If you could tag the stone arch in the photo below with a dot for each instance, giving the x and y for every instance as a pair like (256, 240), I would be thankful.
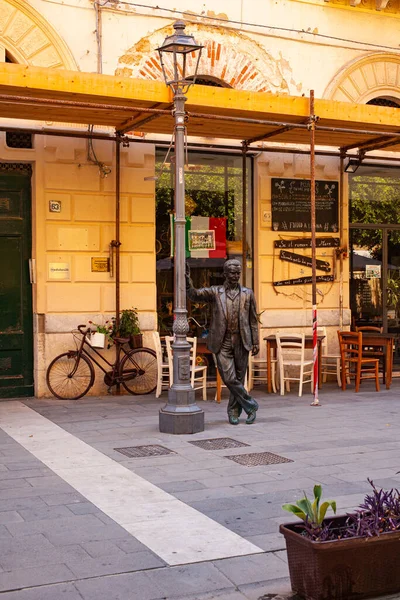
(228, 56)
(30, 39)
(373, 75)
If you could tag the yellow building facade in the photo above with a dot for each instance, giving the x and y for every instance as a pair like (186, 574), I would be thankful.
(286, 49)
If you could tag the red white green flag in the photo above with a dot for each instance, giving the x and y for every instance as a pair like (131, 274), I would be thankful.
(205, 237)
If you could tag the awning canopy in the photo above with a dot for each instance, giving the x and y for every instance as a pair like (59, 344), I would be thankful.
(58, 96)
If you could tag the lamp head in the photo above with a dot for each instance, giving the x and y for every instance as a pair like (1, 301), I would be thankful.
(177, 53)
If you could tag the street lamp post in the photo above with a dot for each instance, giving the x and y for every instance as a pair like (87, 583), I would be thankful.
(181, 414)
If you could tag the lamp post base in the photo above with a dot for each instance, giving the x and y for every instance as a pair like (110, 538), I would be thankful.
(181, 419)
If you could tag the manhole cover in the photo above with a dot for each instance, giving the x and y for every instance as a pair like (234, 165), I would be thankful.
(258, 458)
(144, 451)
(218, 444)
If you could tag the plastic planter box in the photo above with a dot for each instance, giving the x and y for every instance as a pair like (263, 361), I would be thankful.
(342, 569)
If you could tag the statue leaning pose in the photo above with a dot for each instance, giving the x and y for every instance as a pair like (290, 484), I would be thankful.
(233, 333)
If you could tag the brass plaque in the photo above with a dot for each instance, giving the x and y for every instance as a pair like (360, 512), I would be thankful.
(100, 264)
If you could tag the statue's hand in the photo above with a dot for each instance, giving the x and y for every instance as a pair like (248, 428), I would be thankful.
(254, 350)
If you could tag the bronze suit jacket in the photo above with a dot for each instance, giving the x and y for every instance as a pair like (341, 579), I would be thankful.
(216, 296)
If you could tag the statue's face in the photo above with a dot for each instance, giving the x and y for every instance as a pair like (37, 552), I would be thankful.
(232, 274)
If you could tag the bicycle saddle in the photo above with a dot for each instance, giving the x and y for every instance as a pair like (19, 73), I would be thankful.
(121, 340)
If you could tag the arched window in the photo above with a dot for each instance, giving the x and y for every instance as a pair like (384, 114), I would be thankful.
(210, 81)
(385, 101)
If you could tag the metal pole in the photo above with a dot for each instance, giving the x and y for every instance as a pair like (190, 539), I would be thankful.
(181, 415)
(244, 212)
(341, 221)
(117, 243)
(313, 251)
(117, 230)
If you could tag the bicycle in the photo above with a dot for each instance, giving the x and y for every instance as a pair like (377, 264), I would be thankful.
(71, 374)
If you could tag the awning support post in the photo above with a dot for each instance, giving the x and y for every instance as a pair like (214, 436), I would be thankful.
(311, 126)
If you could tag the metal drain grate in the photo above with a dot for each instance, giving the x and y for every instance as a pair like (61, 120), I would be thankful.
(218, 444)
(144, 451)
(258, 458)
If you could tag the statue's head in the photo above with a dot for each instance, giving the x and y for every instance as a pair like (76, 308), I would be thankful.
(232, 271)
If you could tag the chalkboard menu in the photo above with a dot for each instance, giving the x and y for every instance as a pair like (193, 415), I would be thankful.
(291, 205)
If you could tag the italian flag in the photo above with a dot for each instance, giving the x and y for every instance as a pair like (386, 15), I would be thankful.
(205, 237)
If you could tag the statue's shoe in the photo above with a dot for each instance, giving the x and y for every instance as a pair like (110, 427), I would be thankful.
(233, 420)
(251, 417)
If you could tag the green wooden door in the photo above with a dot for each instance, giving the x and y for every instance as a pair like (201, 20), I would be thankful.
(16, 319)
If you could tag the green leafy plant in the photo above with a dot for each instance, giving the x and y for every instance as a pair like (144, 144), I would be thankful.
(314, 512)
(129, 322)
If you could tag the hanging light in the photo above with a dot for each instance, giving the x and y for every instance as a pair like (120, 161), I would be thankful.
(352, 165)
(175, 54)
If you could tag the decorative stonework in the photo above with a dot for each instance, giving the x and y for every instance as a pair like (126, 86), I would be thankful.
(30, 39)
(228, 56)
(367, 78)
(388, 7)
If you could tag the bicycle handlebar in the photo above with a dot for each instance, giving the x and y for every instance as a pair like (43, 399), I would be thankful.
(80, 329)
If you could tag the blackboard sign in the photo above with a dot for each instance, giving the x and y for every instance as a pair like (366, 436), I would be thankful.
(291, 205)
(330, 242)
(306, 261)
(303, 280)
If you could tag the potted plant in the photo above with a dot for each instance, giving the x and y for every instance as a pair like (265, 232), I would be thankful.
(347, 557)
(129, 327)
(98, 335)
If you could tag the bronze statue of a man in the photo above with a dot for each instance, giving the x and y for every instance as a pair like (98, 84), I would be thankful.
(232, 335)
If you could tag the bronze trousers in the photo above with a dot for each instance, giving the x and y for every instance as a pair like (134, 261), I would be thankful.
(232, 360)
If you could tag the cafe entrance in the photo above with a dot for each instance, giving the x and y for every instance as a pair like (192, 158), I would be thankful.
(374, 193)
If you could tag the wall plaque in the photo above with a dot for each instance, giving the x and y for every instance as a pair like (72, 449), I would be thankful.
(59, 271)
(291, 205)
(100, 264)
(302, 280)
(320, 242)
(306, 261)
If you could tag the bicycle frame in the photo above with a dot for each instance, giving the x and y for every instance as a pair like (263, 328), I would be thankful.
(113, 366)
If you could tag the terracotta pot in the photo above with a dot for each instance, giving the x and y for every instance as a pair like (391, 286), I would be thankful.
(348, 569)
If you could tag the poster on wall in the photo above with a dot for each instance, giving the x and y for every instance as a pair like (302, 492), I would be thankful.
(291, 205)
(373, 271)
(205, 237)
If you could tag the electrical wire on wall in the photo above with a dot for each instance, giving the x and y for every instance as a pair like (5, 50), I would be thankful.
(104, 170)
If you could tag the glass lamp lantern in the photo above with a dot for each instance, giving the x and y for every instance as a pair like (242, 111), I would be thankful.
(179, 52)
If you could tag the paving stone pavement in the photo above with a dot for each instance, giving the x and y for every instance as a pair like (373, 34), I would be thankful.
(55, 544)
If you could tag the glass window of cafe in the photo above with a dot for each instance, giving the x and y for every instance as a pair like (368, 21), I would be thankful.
(375, 246)
(218, 226)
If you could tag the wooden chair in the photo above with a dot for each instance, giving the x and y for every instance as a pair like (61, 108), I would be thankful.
(373, 352)
(163, 377)
(330, 363)
(257, 371)
(198, 373)
(290, 357)
(352, 361)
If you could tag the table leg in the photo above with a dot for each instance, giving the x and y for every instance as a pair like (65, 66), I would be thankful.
(219, 387)
(269, 376)
(389, 362)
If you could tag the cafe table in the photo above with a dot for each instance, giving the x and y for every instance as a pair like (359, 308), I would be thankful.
(308, 344)
(385, 342)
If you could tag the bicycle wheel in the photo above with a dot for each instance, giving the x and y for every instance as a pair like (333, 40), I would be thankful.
(138, 371)
(66, 382)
